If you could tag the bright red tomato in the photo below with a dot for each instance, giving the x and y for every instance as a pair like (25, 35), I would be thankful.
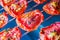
(3, 19)
(14, 7)
(51, 32)
(30, 21)
(39, 1)
(52, 8)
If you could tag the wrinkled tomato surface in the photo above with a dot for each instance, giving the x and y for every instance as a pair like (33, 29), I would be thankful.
(14, 34)
(52, 8)
(14, 7)
(51, 32)
(30, 21)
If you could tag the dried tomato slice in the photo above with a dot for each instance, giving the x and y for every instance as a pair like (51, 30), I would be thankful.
(3, 19)
(51, 32)
(39, 1)
(14, 34)
(14, 7)
(30, 21)
(52, 8)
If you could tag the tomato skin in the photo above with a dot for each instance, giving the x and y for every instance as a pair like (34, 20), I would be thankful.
(49, 9)
(48, 30)
(20, 5)
(39, 1)
(4, 19)
(30, 21)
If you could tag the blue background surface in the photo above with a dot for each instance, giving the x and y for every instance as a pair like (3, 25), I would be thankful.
(35, 34)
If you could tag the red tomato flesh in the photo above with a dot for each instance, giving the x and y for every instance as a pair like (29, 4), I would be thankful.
(30, 21)
(52, 8)
(51, 32)
(14, 7)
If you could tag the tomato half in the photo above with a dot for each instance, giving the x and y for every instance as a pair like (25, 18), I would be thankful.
(52, 8)
(39, 1)
(3, 19)
(51, 32)
(14, 7)
(30, 21)
(14, 34)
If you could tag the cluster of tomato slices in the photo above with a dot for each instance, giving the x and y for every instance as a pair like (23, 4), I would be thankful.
(28, 21)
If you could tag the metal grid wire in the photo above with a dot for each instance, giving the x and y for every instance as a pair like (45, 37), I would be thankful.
(30, 9)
